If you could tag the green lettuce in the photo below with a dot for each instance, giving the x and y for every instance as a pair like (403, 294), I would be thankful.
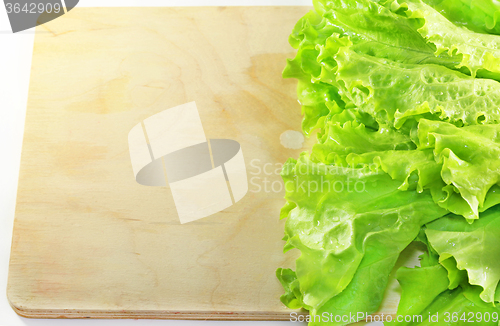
(439, 293)
(347, 223)
(461, 306)
(373, 29)
(393, 92)
(404, 99)
(480, 52)
(420, 287)
(376, 31)
(459, 165)
(475, 247)
(476, 15)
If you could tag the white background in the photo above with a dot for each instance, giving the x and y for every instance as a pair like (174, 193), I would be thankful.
(15, 62)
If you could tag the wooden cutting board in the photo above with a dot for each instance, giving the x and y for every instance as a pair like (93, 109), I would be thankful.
(89, 241)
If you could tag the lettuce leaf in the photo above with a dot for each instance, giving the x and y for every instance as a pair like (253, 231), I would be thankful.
(479, 51)
(459, 165)
(376, 31)
(438, 290)
(475, 247)
(342, 240)
(469, 158)
(292, 297)
(345, 134)
(373, 29)
(455, 276)
(420, 287)
(406, 104)
(393, 92)
(476, 15)
(461, 306)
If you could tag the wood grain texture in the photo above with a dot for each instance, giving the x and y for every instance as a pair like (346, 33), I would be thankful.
(91, 242)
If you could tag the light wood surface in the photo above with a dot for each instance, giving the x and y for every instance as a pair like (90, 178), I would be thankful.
(89, 241)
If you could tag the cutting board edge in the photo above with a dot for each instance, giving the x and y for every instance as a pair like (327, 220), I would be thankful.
(141, 314)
